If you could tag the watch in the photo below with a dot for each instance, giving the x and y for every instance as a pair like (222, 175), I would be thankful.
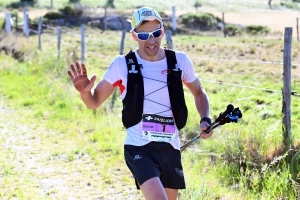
(207, 119)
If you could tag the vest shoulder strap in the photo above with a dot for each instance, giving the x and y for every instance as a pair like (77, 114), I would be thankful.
(171, 60)
(132, 65)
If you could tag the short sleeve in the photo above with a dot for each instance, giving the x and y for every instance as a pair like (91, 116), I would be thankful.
(112, 74)
(188, 71)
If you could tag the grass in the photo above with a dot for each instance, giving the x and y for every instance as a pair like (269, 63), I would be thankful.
(228, 165)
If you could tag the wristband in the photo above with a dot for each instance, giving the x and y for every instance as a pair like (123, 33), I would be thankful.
(207, 119)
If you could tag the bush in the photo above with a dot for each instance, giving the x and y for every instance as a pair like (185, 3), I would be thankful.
(15, 5)
(291, 5)
(53, 15)
(295, 167)
(257, 29)
(74, 1)
(110, 3)
(20, 4)
(203, 21)
(71, 12)
(233, 30)
(29, 1)
(2, 23)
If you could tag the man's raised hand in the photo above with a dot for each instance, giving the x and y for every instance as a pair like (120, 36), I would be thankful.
(80, 79)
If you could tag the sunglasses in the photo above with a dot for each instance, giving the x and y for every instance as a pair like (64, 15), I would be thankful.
(145, 35)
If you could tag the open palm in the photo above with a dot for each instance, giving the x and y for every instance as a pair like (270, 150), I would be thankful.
(80, 79)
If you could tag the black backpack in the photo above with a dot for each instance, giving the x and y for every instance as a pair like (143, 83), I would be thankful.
(134, 100)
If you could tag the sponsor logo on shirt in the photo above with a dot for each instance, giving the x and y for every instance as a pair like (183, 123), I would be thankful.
(111, 64)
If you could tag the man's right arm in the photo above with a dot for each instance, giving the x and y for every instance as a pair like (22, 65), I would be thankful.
(93, 100)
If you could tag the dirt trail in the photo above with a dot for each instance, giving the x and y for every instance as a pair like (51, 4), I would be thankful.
(30, 170)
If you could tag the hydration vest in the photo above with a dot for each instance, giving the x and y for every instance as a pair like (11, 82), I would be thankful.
(133, 102)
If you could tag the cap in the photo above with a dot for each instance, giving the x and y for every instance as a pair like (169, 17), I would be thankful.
(144, 13)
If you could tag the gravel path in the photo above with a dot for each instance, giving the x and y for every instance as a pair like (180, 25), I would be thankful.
(30, 169)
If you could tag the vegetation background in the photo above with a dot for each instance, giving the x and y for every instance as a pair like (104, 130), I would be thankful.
(53, 147)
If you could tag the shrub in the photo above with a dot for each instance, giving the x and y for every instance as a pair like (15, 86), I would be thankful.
(295, 167)
(21, 3)
(291, 5)
(2, 23)
(197, 5)
(15, 5)
(68, 15)
(28, 1)
(53, 15)
(74, 1)
(257, 29)
(233, 30)
(110, 3)
(68, 11)
(202, 21)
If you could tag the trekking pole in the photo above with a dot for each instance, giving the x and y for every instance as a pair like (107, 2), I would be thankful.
(231, 114)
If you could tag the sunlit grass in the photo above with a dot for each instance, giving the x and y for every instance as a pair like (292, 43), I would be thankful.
(41, 89)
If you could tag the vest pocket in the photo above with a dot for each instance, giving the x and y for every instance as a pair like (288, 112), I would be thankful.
(135, 97)
(178, 105)
(133, 102)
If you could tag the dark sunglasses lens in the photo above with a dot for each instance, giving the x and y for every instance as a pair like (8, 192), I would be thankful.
(157, 33)
(143, 36)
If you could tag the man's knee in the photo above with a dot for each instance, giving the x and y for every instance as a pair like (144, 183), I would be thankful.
(153, 189)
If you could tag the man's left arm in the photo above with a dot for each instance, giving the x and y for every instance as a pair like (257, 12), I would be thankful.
(202, 105)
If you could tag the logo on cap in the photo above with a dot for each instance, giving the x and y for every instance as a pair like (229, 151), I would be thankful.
(147, 13)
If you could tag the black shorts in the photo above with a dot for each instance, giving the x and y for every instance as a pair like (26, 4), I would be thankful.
(155, 159)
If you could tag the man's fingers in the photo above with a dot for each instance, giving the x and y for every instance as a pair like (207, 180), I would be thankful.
(71, 75)
(83, 69)
(91, 83)
(73, 69)
(205, 135)
(93, 79)
(78, 68)
(204, 126)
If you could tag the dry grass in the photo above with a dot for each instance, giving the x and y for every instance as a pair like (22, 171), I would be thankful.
(256, 13)
(61, 153)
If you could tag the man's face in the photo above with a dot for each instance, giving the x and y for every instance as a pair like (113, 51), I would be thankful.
(149, 48)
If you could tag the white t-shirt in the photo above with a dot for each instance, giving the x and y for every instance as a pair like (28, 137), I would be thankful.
(155, 78)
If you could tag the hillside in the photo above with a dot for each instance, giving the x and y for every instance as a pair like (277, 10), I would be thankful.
(53, 147)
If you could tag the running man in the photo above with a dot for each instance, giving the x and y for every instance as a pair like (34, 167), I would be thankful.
(150, 82)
